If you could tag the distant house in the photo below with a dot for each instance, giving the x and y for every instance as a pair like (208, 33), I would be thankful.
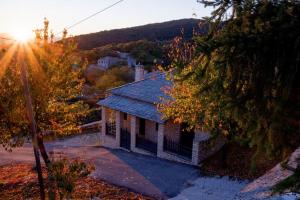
(131, 61)
(106, 62)
(131, 121)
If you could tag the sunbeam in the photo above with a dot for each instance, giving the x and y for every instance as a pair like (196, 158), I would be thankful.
(20, 55)
(7, 58)
(33, 62)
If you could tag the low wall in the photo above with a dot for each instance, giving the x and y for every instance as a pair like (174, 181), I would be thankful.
(109, 141)
(209, 147)
(173, 157)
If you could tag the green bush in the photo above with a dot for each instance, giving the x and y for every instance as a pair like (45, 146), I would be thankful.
(114, 77)
(64, 173)
(291, 183)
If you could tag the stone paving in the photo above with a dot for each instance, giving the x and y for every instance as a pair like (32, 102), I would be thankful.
(153, 176)
(143, 174)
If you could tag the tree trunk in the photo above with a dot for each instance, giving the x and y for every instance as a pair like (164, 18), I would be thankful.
(224, 155)
(40, 173)
(31, 119)
(51, 192)
(43, 149)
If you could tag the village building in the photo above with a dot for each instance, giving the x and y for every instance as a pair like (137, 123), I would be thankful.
(105, 62)
(131, 61)
(131, 121)
(108, 61)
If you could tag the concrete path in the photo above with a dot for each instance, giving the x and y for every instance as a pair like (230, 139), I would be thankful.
(212, 188)
(217, 188)
(144, 174)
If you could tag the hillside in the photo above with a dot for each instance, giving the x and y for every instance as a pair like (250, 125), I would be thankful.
(152, 32)
(144, 51)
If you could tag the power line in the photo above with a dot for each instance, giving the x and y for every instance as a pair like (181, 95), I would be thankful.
(79, 22)
(86, 18)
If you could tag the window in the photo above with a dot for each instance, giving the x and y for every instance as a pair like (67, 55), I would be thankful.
(111, 129)
(156, 126)
(142, 128)
(125, 116)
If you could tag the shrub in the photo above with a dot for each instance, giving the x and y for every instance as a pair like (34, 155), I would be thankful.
(64, 173)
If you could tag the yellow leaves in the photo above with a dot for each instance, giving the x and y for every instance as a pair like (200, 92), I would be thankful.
(188, 69)
(113, 77)
(183, 106)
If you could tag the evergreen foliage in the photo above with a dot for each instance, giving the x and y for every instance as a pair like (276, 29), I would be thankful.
(242, 79)
(291, 183)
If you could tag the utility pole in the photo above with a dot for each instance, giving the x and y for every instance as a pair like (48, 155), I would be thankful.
(30, 115)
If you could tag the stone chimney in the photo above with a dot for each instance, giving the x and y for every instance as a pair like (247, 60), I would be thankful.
(139, 72)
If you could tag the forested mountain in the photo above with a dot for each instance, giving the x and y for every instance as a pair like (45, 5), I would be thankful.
(152, 32)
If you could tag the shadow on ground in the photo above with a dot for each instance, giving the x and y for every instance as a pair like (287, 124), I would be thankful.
(147, 175)
(168, 177)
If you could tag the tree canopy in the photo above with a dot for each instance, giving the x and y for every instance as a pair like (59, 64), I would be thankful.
(145, 52)
(55, 75)
(115, 77)
(242, 79)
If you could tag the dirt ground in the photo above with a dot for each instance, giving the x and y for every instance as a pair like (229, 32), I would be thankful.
(238, 163)
(19, 181)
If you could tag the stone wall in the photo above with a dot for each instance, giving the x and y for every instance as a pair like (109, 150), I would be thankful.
(141, 151)
(209, 147)
(174, 157)
(261, 188)
(109, 141)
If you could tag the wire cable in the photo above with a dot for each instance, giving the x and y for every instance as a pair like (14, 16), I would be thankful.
(79, 22)
(90, 16)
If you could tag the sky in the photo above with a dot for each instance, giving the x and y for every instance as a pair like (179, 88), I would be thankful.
(25, 15)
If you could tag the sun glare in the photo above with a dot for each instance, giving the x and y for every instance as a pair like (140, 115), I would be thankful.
(22, 35)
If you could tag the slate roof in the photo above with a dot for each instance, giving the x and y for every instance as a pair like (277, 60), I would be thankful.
(149, 90)
(139, 98)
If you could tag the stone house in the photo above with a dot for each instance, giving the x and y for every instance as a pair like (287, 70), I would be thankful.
(131, 61)
(108, 61)
(105, 62)
(131, 121)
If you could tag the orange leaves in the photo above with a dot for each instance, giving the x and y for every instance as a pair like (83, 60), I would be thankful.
(18, 181)
(7, 59)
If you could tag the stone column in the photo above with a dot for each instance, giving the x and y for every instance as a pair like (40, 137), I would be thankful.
(160, 140)
(118, 127)
(195, 152)
(103, 125)
(132, 132)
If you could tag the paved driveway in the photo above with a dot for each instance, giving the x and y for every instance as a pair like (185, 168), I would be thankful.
(144, 174)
